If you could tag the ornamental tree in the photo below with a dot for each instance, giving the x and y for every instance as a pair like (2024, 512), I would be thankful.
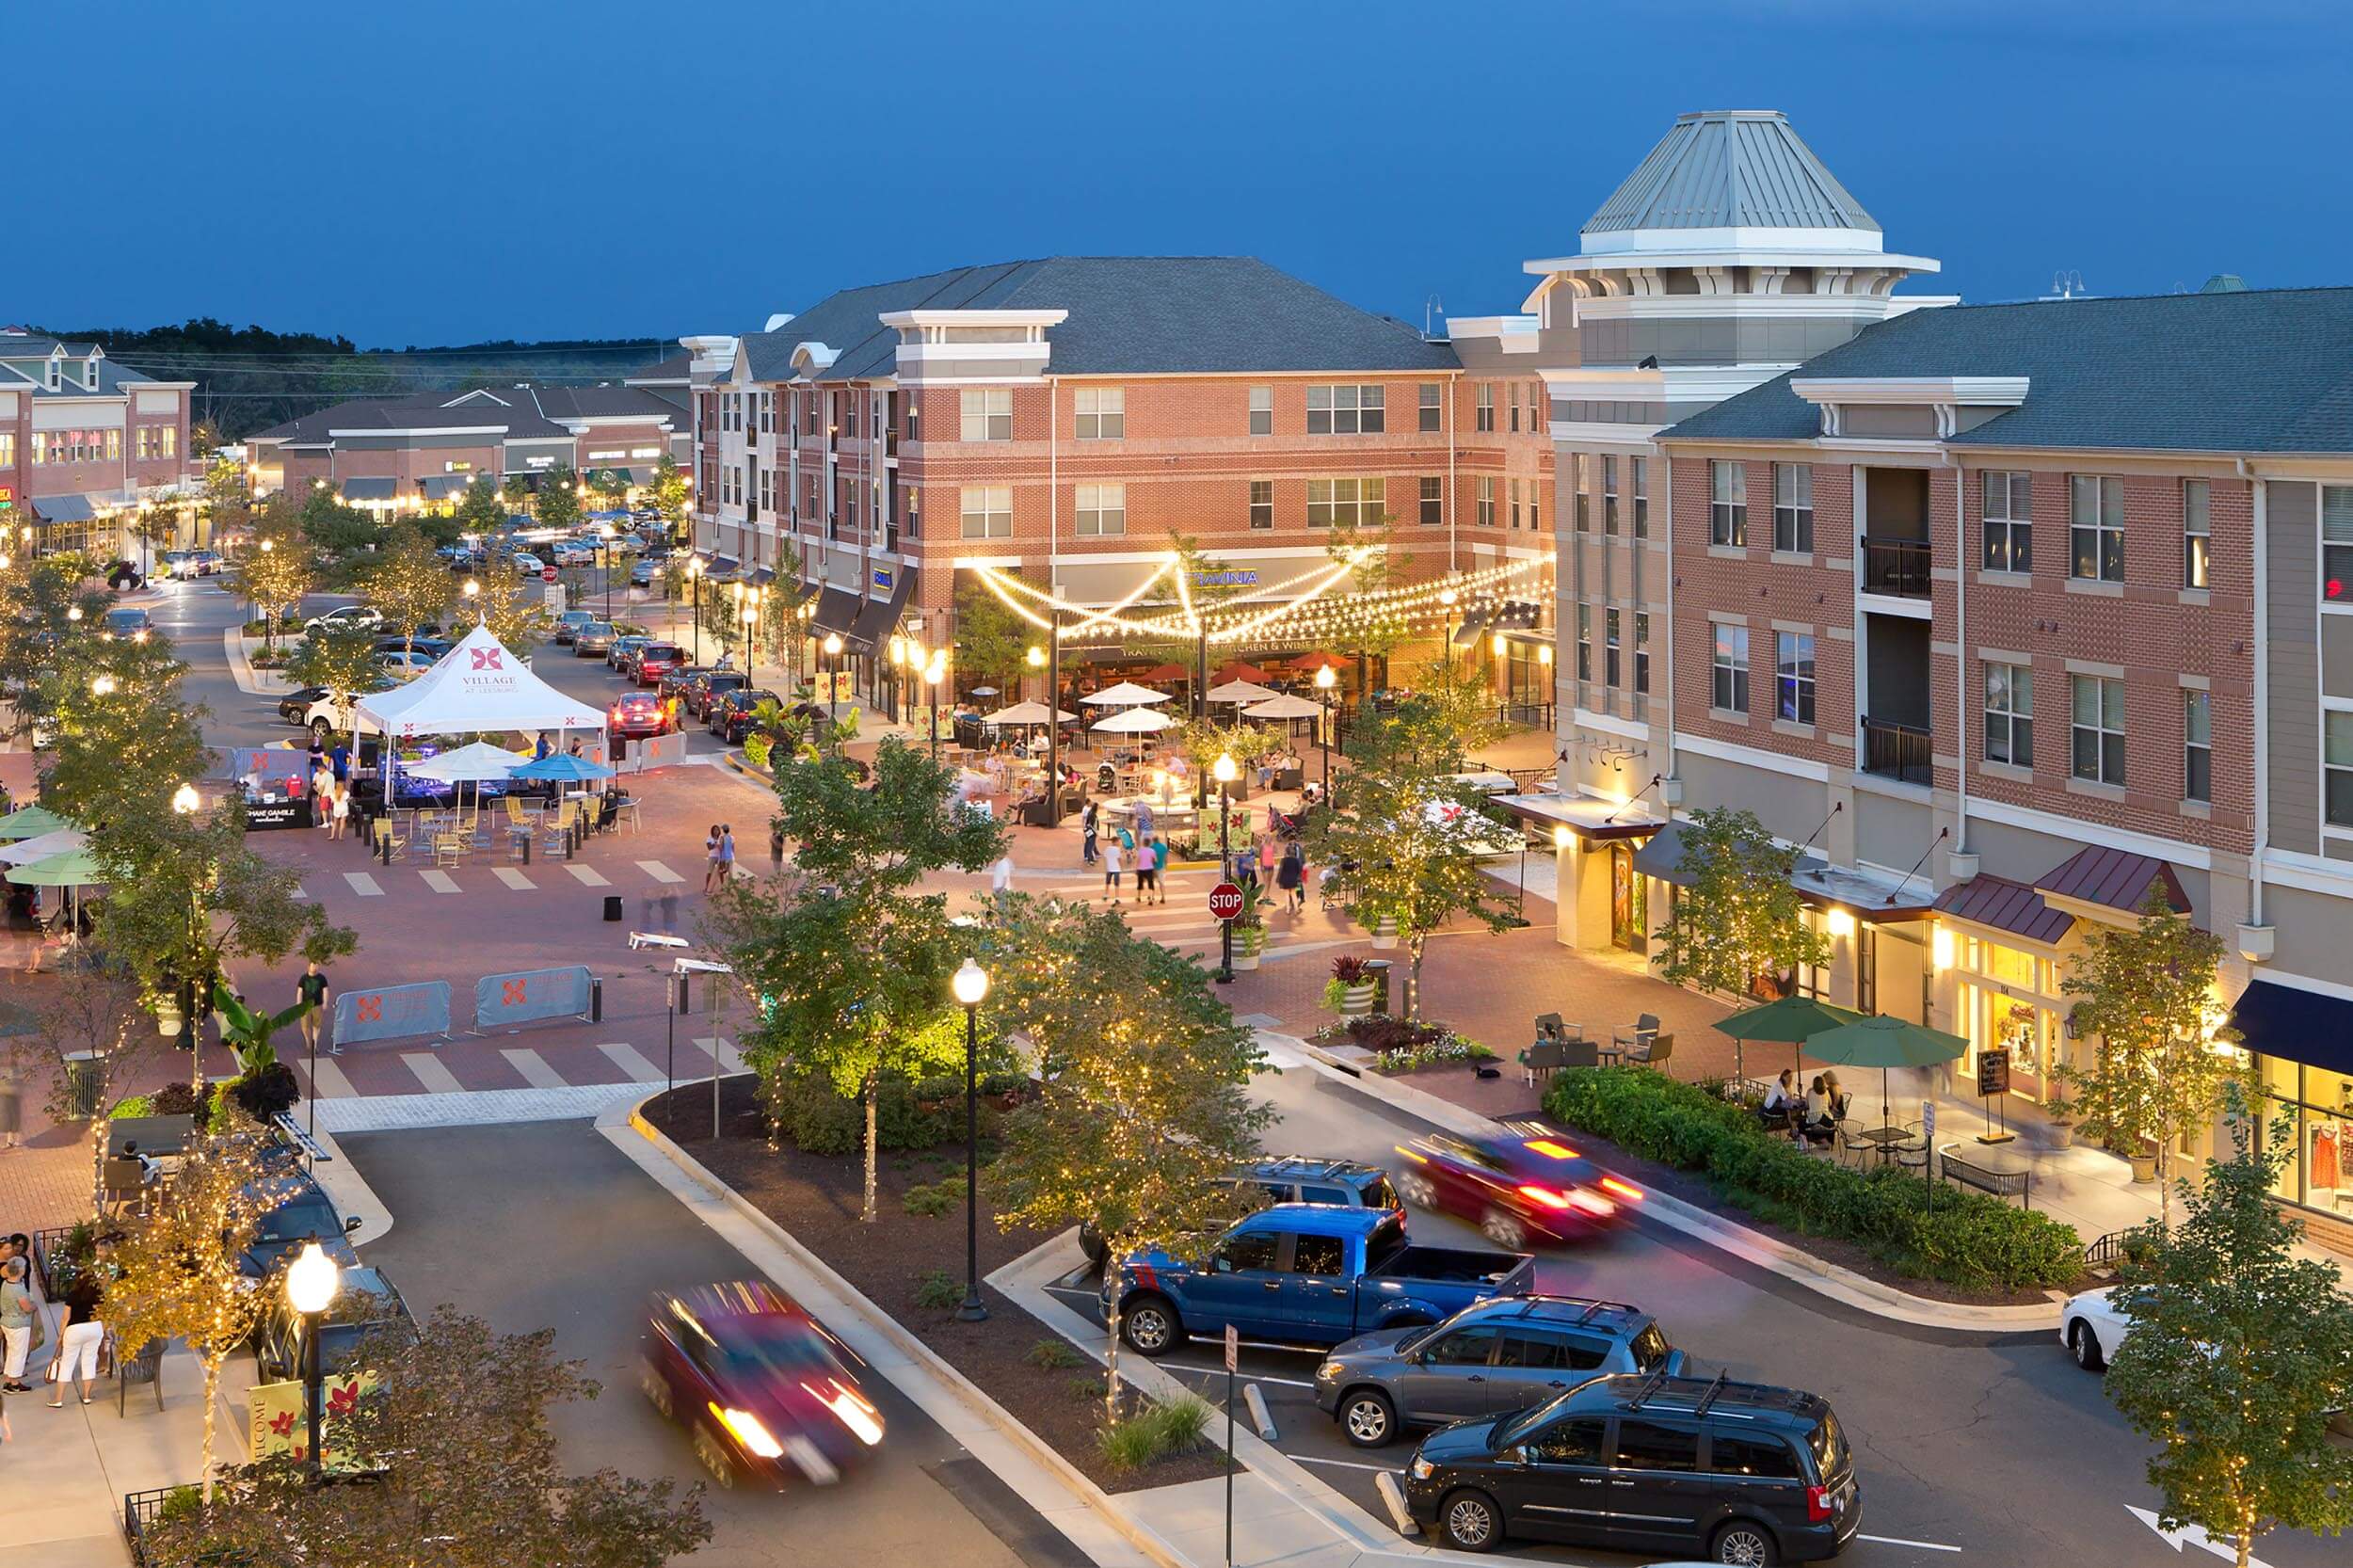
(1734, 926)
(560, 499)
(670, 493)
(1375, 565)
(43, 594)
(850, 963)
(481, 509)
(512, 607)
(1143, 1108)
(125, 735)
(1412, 835)
(464, 1414)
(274, 574)
(2149, 995)
(2237, 1353)
(96, 1016)
(343, 660)
(408, 584)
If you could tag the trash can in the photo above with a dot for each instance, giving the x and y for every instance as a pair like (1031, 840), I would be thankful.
(613, 908)
(1377, 970)
(83, 1077)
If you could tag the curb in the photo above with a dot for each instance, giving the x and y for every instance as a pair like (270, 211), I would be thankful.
(1841, 1284)
(907, 1344)
(250, 680)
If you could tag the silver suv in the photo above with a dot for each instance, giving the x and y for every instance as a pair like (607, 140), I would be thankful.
(1494, 1357)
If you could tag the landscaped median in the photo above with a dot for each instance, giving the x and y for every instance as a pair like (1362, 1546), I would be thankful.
(1917, 1229)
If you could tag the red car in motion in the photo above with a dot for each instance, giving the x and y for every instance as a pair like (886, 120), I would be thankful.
(765, 1389)
(1520, 1190)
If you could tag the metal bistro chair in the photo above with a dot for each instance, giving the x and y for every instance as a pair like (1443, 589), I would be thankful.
(125, 1184)
(449, 848)
(386, 837)
(1540, 1061)
(558, 824)
(1912, 1153)
(1651, 1051)
(145, 1366)
(1637, 1042)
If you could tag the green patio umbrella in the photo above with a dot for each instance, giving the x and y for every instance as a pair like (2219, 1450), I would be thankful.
(29, 822)
(75, 868)
(1790, 1021)
(1883, 1043)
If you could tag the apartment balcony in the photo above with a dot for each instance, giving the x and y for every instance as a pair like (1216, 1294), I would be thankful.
(1895, 567)
(1897, 751)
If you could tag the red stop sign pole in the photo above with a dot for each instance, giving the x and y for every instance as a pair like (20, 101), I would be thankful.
(1225, 902)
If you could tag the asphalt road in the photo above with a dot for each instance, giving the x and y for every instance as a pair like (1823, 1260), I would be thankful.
(546, 1224)
(1972, 1448)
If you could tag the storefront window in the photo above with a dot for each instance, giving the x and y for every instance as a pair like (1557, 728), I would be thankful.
(2311, 1110)
(2014, 1009)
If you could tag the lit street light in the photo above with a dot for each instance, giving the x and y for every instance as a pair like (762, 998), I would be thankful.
(1325, 681)
(833, 653)
(1225, 772)
(311, 1282)
(971, 988)
(935, 673)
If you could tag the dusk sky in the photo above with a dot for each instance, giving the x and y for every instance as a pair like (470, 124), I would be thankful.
(443, 170)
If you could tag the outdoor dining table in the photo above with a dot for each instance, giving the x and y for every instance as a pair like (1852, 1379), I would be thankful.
(1887, 1142)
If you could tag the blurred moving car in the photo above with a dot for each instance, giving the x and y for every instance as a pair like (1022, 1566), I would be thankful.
(1517, 1189)
(768, 1393)
(344, 617)
(365, 1302)
(1294, 1178)
(127, 622)
(637, 715)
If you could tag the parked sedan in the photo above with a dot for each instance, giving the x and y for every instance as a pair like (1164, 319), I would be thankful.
(711, 685)
(404, 666)
(635, 715)
(592, 639)
(652, 660)
(306, 1214)
(344, 617)
(524, 561)
(1516, 1190)
(365, 1303)
(768, 1393)
(676, 682)
(568, 625)
(127, 622)
(731, 717)
(641, 573)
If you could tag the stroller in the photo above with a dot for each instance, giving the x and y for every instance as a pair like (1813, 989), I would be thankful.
(1285, 824)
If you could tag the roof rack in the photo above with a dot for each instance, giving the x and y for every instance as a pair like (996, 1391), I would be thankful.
(1651, 1385)
(1710, 1398)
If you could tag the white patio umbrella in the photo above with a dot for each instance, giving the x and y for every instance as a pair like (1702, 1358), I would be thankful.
(1126, 695)
(1285, 707)
(471, 764)
(1025, 712)
(1134, 721)
(26, 851)
(1241, 690)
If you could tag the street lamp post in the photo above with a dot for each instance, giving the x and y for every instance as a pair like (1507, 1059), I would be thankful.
(695, 592)
(833, 656)
(1447, 597)
(186, 803)
(1224, 771)
(934, 674)
(311, 1285)
(1325, 681)
(604, 543)
(971, 988)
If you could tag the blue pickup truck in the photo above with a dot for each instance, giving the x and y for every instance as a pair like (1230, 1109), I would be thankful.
(1304, 1274)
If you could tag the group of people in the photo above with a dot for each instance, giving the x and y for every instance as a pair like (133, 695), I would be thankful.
(1811, 1117)
(719, 855)
(24, 1329)
(331, 786)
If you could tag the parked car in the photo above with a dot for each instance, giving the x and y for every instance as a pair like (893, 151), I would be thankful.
(766, 1390)
(365, 1303)
(2092, 1327)
(1291, 1179)
(1305, 1274)
(624, 648)
(635, 715)
(1518, 1191)
(345, 617)
(404, 666)
(173, 564)
(565, 553)
(731, 719)
(1493, 1357)
(592, 639)
(306, 1213)
(524, 561)
(652, 660)
(127, 621)
(568, 625)
(420, 643)
(711, 685)
(641, 573)
(208, 562)
(1740, 1471)
(676, 680)
(296, 705)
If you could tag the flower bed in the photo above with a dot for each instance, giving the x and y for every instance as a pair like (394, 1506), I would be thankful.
(1403, 1044)
(1965, 1240)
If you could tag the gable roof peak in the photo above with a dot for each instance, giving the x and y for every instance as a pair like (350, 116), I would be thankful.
(1731, 168)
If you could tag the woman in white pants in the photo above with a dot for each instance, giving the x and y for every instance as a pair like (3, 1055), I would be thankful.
(79, 1341)
(17, 1307)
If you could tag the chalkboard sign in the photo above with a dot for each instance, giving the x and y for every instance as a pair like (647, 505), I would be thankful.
(1993, 1072)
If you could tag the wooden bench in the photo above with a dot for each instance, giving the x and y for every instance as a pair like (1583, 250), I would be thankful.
(1985, 1178)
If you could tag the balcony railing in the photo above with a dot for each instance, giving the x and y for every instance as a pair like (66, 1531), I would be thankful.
(1897, 751)
(1897, 567)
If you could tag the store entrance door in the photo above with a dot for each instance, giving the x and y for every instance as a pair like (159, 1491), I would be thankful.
(1627, 928)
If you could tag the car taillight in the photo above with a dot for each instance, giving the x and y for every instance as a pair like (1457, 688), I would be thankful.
(1592, 1203)
(1818, 1505)
(1620, 1190)
(1545, 1195)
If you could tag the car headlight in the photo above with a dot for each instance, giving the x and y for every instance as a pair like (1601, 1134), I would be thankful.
(1328, 1372)
(750, 1432)
(1421, 1469)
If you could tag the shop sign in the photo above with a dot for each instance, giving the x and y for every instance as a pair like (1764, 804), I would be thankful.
(882, 578)
(8, 497)
(1993, 1073)
(1224, 579)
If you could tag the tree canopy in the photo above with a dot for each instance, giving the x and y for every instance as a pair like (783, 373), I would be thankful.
(1737, 920)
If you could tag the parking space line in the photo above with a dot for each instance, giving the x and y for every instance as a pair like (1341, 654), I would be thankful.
(1882, 1539)
(1246, 1377)
(1343, 1464)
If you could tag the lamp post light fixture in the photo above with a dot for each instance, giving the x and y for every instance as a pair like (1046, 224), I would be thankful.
(694, 591)
(604, 545)
(935, 674)
(970, 986)
(185, 801)
(1448, 598)
(73, 611)
(1224, 771)
(103, 686)
(833, 669)
(1325, 680)
(311, 1282)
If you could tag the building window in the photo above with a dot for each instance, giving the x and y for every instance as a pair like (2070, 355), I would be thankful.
(1793, 508)
(2096, 527)
(2198, 745)
(1609, 648)
(1639, 472)
(1484, 415)
(1515, 503)
(2337, 760)
(1641, 650)
(1102, 413)
(1346, 503)
(1584, 641)
(1512, 392)
(1731, 669)
(1262, 410)
(1608, 495)
(914, 517)
(1433, 502)
(1486, 501)
(2099, 730)
(1793, 676)
(809, 411)
(1262, 503)
(1728, 506)
(2009, 520)
(171, 441)
(8, 449)
(988, 413)
(1345, 411)
(1580, 473)
(1103, 511)
(2197, 537)
(987, 512)
(1535, 405)
(2336, 542)
(1431, 410)
(2009, 714)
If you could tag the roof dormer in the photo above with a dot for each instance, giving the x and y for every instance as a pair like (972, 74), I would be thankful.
(975, 345)
(55, 379)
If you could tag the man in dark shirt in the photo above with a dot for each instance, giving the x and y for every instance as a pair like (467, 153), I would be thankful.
(311, 990)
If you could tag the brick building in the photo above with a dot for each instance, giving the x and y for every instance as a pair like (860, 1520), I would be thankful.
(83, 441)
(1062, 418)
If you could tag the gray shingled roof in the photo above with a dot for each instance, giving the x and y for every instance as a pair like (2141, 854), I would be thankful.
(1130, 315)
(431, 411)
(675, 367)
(601, 401)
(2267, 370)
(1731, 168)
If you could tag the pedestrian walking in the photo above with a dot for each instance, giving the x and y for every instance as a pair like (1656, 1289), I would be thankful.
(11, 1106)
(1148, 874)
(775, 843)
(20, 1324)
(1001, 875)
(727, 853)
(339, 760)
(311, 991)
(710, 858)
(1160, 867)
(1088, 826)
(342, 810)
(1144, 820)
(1292, 877)
(1110, 870)
(318, 754)
(80, 1335)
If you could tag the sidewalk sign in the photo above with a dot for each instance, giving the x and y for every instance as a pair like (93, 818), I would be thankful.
(1233, 1360)
(1927, 1141)
(1993, 1084)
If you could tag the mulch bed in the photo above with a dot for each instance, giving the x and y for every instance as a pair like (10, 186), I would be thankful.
(817, 1199)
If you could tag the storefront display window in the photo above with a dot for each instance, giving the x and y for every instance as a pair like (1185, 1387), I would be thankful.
(2312, 1110)
(2015, 1009)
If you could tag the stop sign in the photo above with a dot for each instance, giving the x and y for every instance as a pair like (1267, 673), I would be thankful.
(1226, 900)
(547, 574)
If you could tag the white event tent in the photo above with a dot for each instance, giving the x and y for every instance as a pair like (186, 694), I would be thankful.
(479, 685)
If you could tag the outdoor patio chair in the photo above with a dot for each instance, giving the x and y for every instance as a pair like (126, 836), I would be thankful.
(1913, 1154)
(517, 815)
(1539, 1062)
(146, 1366)
(558, 824)
(626, 812)
(1549, 1026)
(1651, 1050)
(1637, 1039)
(125, 1184)
(384, 835)
(1853, 1148)
(449, 849)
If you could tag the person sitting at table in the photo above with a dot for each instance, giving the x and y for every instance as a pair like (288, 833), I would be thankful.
(1820, 1122)
(1781, 1100)
(1839, 1098)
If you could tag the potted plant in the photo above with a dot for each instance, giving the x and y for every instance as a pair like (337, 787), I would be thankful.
(1349, 992)
(2063, 1120)
(1249, 938)
(1383, 932)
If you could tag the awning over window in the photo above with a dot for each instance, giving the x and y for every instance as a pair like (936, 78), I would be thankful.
(761, 577)
(723, 569)
(368, 490)
(440, 487)
(836, 611)
(878, 617)
(65, 509)
(2112, 879)
(1998, 903)
(1589, 819)
(2295, 1026)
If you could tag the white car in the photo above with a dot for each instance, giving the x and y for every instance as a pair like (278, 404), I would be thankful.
(570, 554)
(2092, 1327)
(344, 617)
(402, 665)
(528, 564)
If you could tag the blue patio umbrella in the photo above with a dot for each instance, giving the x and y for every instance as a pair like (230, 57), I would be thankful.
(563, 768)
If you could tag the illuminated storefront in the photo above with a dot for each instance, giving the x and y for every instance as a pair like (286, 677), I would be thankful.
(2300, 1042)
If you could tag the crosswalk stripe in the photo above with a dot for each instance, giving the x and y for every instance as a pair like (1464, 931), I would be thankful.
(730, 1060)
(533, 1068)
(441, 882)
(328, 1081)
(512, 878)
(588, 876)
(626, 1058)
(659, 872)
(363, 884)
(432, 1073)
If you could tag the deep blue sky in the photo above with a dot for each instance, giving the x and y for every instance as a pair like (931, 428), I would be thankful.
(439, 171)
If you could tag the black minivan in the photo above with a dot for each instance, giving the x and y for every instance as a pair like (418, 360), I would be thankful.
(1743, 1472)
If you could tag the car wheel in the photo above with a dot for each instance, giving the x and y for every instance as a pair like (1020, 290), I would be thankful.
(1151, 1326)
(714, 1455)
(2085, 1346)
(1746, 1543)
(321, 730)
(1417, 1190)
(1471, 1522)
(1504, 1230)
(657, 1388)
(1368, 1417)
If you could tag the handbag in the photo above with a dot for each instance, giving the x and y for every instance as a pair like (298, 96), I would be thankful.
(40, 1332)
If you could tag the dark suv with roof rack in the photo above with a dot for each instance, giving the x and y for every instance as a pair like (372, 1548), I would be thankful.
(1489, 1359)
(1747, 1473)
(1297, 1179)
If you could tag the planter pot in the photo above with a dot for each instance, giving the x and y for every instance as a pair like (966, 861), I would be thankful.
(1249, 943)
(1357, 1000)
(2144, 1167)
(2062, 1135)
(1385, 934)
(1245, 962)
